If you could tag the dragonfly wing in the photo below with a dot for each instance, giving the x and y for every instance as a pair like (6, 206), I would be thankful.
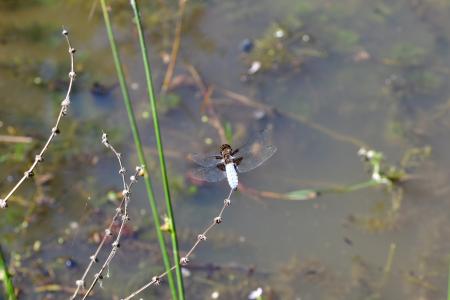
(210, 174)
(256, 151)
(205, 160)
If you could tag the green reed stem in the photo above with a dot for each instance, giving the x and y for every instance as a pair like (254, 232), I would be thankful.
(139, 148)
(448, 286)
(159, 143)
(7, 281)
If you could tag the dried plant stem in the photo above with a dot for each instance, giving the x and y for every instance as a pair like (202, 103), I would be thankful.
(65, 103)
(448, 284)
(175, 47)
(122, 212)
(6, 278)
(15, 139)
(159, 144)
(94, 258)
(139, 147)
(156, 280)
(388, 265)
(207, 105)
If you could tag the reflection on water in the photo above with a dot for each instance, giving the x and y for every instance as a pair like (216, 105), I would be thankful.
(330, 77)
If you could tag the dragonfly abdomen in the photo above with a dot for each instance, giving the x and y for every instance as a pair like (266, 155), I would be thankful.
(232, 176)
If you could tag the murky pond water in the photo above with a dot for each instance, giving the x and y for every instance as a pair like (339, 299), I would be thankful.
(331, 77)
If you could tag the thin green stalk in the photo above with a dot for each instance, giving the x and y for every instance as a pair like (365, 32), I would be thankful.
(159, 143)
(139, 148)
(448, 287)
(7, 281)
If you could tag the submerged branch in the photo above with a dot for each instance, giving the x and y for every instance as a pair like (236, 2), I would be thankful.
(175, 47)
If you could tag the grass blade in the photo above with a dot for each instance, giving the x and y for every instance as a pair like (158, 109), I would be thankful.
(139, 148)
(162, 162)
(448, 287)
(7, 281)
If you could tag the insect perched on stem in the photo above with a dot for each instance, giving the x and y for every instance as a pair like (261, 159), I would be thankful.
(228, 162)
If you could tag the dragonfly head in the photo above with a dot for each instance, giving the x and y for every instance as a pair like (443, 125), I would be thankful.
(225, 149)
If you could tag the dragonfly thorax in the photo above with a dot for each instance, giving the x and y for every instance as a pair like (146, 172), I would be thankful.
(225, 152)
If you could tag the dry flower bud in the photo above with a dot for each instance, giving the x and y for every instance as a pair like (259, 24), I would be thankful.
(184, 261)
(80, 283)
(65, 102)
(3, 203)
(156, 280)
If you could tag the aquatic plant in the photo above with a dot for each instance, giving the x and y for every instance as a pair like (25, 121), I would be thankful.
(280, 46)
(6, 278)
(142, 160)
(159, 143)
(65, 103)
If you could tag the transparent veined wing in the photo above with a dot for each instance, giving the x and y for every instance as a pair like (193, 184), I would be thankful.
(210, 174)
(205, 160)
(256, 151)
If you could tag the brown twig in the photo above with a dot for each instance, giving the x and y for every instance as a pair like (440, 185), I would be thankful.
(212, 115)
(207, 105)
(156, 280)
(175, 47)
(55, 130)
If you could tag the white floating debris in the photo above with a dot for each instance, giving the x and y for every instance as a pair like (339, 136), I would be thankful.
(74, 225)
(185, 272)
(279, 33)
(259, 114)
(255, 67)
(255, 294)
(362, 152)
(134, 86)
(215, 295)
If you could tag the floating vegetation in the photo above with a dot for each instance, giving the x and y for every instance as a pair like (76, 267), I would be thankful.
(407, 55)
(281, 46)
(384, 217)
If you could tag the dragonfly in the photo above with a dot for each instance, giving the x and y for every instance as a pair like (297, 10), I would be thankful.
(228, 162)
